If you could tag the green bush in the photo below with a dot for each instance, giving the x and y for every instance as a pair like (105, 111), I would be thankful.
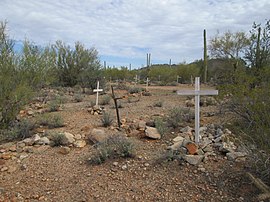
(178, 116)
(56, 103)
(57, 139)
(161, 126)
(106, 119)
(51, 121)
(115, 146)
(133, 90)
(105, 100)
(158, 104)
(167, 156)
(78, 97)
(20, 130)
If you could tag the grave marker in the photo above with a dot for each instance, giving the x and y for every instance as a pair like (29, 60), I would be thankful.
(97, 91)
(197, 92)
(147, 82)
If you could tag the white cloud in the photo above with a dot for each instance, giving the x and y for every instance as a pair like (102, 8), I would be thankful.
(131, 28)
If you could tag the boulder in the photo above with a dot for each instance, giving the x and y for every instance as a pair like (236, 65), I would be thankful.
(97, 135)
(64, 150)
(79, 143)
(68, 138)
(186, 129)
(178, 139)
(43, 141)
(193, 159)
(235, 155)
(192, 148)
(176, 146)
(28, 141)
(152, 133)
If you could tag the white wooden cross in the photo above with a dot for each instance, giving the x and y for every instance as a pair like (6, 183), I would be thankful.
(147, 82)
(97, 91)
(136, 79)
(197, 94)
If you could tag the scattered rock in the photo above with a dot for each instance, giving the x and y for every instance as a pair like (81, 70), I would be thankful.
(64, 150)
(124, 167)
(77, 137)
(115, 163)
(235, 155)
(193, 159)
(152, 133)
(28, 142)
(43, 141)
(97, 135)
(176, 146)
(68, 138)
(5, 156)
(3, 169)
(179, 139)
(79, 143)
(192, 148)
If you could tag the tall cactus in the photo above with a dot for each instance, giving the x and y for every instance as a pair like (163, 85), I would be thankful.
(205, 56)
(148, 59)
(258, 49)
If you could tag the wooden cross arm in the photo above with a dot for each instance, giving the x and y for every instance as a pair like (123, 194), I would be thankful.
(197, 92)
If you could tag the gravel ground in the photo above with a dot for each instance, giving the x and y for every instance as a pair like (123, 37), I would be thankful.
(47, 175)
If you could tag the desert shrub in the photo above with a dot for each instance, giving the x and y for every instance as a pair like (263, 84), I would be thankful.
(51, 121)
(56, 103)
(57, 139)
(178, 115)
(78, 97)
(92, 103)
(167, 156)
(161, 126)
(19, 130)
(158, 104)
(248, 97)
(115, 146)
(106, 119)
(133, 90)
(105, 100)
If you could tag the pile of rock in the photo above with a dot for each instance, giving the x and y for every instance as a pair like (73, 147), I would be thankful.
(95, 110)
(213, 141)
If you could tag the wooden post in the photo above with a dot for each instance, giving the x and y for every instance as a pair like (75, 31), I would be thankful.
(205, 56)
(116, 107)
(97, 91)
(197, 94)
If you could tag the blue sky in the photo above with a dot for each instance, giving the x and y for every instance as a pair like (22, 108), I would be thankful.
(124, 31)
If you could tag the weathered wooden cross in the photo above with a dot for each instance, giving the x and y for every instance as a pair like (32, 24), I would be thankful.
(97, 91)
(197, 94)
(147, 82)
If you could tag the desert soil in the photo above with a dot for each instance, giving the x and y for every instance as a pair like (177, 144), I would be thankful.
(47, 175)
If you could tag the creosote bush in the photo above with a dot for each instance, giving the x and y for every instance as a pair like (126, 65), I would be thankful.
(133, 90)
(78, 97)
(105, 100)
(178, 115)
(19, 130)
(161, 126)
(115, 146)
(57, 139)
(158, 104)
(50, 120)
